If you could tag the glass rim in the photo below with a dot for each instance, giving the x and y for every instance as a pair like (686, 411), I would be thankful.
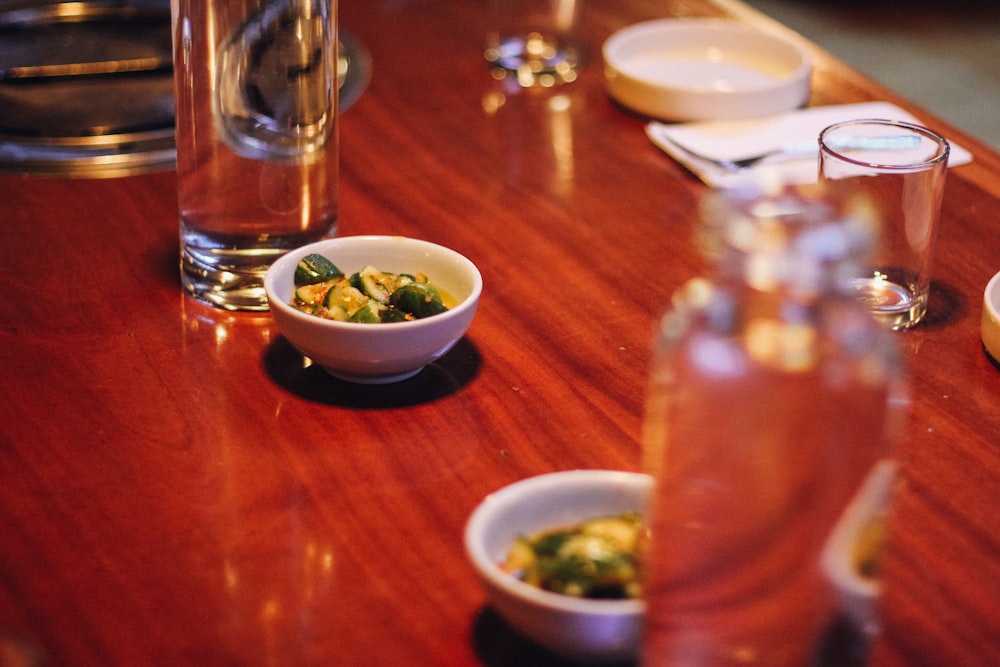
(944, 148)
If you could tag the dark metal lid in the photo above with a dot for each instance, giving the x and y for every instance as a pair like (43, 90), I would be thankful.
(55, 120)
(86, 88)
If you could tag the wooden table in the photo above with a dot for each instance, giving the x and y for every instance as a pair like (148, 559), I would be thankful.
(177, 488)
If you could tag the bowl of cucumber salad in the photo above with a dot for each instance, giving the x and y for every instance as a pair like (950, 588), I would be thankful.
(373, 309)
(560, 556)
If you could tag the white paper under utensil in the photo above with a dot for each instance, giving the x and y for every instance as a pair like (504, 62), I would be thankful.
(795, 131)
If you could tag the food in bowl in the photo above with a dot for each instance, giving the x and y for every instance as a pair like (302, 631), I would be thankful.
(597, 558)
(582, 629)
(368, 296)
(381, 353)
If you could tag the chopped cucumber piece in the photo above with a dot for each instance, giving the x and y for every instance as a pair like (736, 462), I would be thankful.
(373, 283)
(311, 294)
(418, 299)
(315, 268)
(395, 315)
(338, 313)
(343, 294)
(367, 314)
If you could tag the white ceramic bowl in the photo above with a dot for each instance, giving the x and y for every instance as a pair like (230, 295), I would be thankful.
(377, 353)
(990, 323)
(584, 630)
(705, 69)
(858, 594)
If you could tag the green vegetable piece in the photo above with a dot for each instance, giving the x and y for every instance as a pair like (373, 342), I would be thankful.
(367, 314)
(355, 281)
(550, 543)
(395, 315)
(311, 294)
(373, 284)
(343, 294)
(338, 313)
(315, 268)
(418, 299)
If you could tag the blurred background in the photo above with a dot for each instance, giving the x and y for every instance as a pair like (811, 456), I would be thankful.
(944, 56)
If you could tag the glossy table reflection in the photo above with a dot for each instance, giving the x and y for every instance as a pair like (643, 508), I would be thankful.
(178, 486)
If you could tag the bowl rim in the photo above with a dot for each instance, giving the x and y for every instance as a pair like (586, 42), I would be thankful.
(708, 25)
(271, 288)
(838, 557)
(991, 296)
(989, 326)
(490, 570)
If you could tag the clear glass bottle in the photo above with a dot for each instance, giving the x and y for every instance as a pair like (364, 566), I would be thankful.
(770, 400)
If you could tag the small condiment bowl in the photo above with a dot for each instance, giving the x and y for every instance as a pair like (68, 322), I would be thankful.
(990, 323)
(584, 630)
(848, 544)
(705, 69)
(386, 352)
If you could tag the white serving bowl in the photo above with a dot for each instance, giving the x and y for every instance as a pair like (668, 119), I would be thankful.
(858, 595)
(377, 353)
(990, 322)
(705, 69)
(584, 630)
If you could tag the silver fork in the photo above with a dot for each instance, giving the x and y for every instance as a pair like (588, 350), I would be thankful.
(736, 165)
(796, 151)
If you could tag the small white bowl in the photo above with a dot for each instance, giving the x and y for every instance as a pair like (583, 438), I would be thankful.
(377, 353)
(585, 630)
(990, 323)
(705, 69)
(857, 593)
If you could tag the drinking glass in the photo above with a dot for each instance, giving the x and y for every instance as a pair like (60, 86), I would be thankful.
(772, 396)
(256, 127)
(534, 40)
(894, 172)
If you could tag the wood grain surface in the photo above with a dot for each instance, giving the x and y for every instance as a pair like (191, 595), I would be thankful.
(177, 485)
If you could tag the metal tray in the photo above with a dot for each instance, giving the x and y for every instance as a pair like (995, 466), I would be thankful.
(107, 119)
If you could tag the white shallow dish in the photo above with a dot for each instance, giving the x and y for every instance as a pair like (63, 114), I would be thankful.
(705, 69)
(377, 353)
(990, 324)
(858, 595)
(590, 631)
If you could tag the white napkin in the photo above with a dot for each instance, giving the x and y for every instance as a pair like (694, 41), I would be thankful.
(797, 130)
